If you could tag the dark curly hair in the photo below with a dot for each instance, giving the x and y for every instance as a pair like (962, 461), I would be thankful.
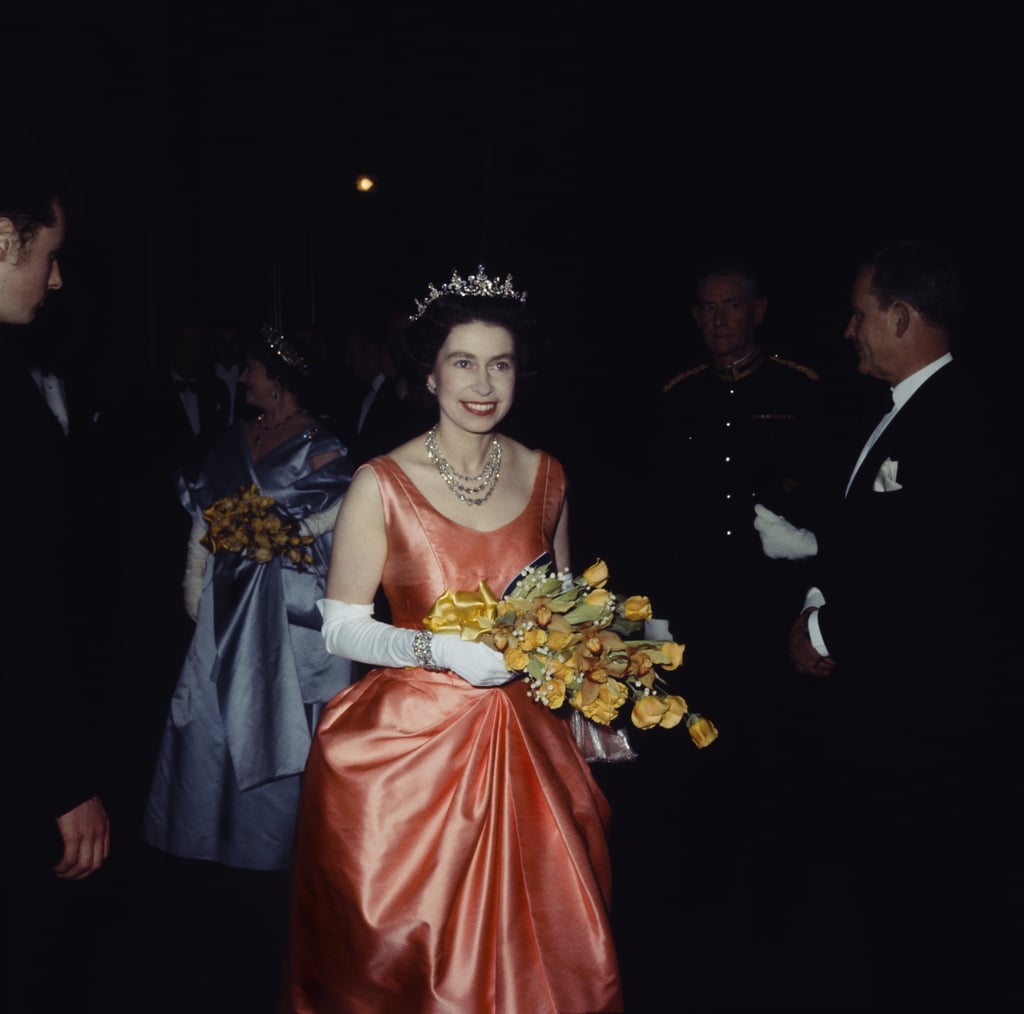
(30, 190)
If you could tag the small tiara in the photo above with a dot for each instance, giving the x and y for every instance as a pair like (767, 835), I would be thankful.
(284, 350)
(475, 285)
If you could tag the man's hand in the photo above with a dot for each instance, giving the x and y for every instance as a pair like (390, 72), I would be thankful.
(86, 834)
(802, 653)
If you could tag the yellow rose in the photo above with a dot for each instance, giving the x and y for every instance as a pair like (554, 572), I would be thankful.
(599, 597)
(552, 693)
(516, 660)
(637, 607)
(533, 638)
(648, 712)
(559, 670)
(605, 706)
(596, 574)
(559, 639)
(544, 615)
(675, 713)
(701, 730)
(675, 655)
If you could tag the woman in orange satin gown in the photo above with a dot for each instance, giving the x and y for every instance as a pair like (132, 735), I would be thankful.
(451, 852)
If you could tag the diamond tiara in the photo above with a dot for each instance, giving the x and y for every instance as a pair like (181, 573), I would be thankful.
(283, 349)
(475, 285)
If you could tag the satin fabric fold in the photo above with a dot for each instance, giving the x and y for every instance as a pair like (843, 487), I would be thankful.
(257, 674)
(451, 852)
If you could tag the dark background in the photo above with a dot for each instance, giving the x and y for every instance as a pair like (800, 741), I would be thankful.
(595, 157)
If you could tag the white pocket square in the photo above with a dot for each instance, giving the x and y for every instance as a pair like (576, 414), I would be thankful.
(885, 481)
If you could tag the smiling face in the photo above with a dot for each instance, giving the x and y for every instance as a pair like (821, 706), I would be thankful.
(28, 269)
(475, 375)
(727, 312)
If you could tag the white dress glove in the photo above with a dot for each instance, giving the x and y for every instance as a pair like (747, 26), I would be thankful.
(472, 660)
(317, 524)
(349, 630)
(196, 558)
(781, 539)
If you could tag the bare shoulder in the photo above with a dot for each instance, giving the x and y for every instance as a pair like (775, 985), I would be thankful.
(518, 458)
(363, 493)
(410, 455)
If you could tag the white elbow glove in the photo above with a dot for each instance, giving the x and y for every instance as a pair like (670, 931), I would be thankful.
(317, 524)
(196, 558)
(781, 539)
(351, 631)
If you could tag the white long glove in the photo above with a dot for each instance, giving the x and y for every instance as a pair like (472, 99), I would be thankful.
(781, 539)
(196, 558)
(317, 524)
(351, 631)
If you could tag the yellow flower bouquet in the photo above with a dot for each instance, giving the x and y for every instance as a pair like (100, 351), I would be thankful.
(247, 523)
(570, 637)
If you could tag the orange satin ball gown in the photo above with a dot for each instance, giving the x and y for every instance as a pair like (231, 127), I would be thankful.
(451, 852)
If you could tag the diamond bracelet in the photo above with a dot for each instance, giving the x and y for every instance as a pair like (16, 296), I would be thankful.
(421, 649)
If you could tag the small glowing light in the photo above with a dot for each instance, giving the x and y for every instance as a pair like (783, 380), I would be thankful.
(364, 184)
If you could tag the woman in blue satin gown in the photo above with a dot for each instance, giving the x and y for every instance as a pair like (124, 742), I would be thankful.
(256, 675)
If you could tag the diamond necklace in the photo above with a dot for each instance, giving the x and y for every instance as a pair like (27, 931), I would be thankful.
(471, 489)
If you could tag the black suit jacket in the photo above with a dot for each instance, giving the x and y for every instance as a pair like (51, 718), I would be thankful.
(49, 764)
(905, 575)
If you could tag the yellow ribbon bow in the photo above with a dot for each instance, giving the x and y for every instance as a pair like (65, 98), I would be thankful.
(465, 613)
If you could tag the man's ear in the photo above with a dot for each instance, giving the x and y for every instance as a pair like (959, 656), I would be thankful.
(760, 305)
(9, 239)
(900, 316)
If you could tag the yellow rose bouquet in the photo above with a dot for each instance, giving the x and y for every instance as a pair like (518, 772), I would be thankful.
(571, 638)
(247, 523)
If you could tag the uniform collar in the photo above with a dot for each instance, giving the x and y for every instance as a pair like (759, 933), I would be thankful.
(741, 368)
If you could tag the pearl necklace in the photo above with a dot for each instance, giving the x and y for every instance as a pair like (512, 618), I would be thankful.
(470, 489)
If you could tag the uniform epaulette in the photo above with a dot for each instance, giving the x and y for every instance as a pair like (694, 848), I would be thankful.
(692, 372)
(799, 367)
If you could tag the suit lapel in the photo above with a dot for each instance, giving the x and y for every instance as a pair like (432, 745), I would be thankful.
(904, 432)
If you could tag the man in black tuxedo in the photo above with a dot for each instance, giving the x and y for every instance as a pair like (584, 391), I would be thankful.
(31, 234)
(899, 625)
(57, 827)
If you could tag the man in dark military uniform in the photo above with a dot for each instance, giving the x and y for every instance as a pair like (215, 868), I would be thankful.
(737, 429)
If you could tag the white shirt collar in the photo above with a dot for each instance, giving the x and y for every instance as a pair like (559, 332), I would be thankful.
(903, 391)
